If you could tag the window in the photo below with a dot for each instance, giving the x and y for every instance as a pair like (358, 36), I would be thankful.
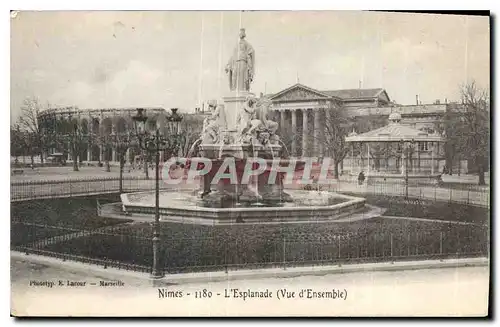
(423, 146)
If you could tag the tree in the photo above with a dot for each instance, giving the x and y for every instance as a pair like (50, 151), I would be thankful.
(17, 145)
(468, 128)
(337, 126)
(28, 122)
(121, 142)
(190, 128)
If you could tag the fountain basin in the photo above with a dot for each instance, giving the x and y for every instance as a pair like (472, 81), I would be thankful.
(185, 206)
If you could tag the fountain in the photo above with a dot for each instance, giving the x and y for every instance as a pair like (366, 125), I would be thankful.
(238, 138)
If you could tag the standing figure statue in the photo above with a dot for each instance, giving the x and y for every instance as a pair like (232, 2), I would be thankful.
(241, 65)
(213, 124)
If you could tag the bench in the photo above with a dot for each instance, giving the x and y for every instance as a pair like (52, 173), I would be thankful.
(18, 171)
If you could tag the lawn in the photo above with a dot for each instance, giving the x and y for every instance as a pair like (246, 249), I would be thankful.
(187, 248)
(430, 209)
(35, 220)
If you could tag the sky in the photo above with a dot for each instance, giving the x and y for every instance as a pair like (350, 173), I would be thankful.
(171, 59)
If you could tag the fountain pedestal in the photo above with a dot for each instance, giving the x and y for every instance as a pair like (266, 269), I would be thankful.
(234, 103)
(216, 185)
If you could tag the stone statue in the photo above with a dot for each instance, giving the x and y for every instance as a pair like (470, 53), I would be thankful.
(213, 124)
(245, 116)
(253, 123)
(240, 68)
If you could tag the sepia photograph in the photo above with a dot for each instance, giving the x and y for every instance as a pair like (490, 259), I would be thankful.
(250, 163)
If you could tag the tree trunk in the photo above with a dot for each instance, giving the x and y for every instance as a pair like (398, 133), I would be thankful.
(480, 166)
(75, 161)
(336, 169)
(145, 162)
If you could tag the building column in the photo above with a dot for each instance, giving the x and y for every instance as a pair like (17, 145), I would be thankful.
(317, 131)
(328, 120)
(282, 122)
(432, 157)
(294, 133)
(89, 144)
(321, 114)
(305, 132)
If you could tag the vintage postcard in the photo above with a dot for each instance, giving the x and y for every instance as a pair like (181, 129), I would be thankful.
(249, 163)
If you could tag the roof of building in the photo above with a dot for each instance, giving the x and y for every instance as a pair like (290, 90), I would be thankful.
(394, 132)
(354, 93)
(347, 94)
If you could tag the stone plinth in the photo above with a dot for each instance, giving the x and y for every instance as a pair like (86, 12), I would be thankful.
(255, 189)
(233, 103)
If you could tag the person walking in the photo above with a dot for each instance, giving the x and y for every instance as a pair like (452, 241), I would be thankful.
(361, 178)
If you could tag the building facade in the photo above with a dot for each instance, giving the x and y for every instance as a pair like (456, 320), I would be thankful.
(305, 115)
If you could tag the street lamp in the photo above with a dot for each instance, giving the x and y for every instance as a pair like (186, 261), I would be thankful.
(154, 143)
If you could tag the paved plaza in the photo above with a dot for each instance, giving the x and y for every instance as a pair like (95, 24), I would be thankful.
(85, 172)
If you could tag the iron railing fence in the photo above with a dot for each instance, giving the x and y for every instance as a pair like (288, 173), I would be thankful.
(43, 189)
(465, 194)
(129, 246)
(46, 189)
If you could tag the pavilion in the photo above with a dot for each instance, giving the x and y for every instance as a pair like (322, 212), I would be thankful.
(396, 152)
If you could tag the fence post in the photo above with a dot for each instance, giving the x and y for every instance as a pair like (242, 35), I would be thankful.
(391, 247)
(416, 236)
(468, 196)
(440, 242)
(450, 194)
(284, 253)
(408, 243)
(339, 245)
(435, 187)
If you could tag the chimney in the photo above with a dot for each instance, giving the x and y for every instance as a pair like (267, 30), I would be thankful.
(416, 98)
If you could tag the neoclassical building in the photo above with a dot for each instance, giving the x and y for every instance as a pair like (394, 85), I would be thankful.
(95, 124)
(304, 113)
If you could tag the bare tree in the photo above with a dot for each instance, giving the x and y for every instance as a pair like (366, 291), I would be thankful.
(17, 142)
(337, 125)
(190, 129)
(468, 129)
(28, 122)
(474, 127)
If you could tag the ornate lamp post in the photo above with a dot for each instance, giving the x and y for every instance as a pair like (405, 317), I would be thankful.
(154, 143)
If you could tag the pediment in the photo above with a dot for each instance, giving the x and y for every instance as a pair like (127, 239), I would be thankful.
(298, 93)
